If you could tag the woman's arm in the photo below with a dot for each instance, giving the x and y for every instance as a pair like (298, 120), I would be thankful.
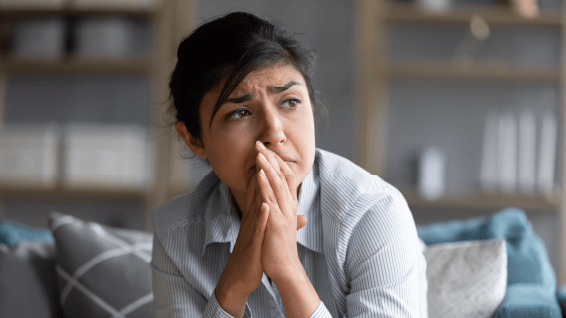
(279, 255)
(244, 270)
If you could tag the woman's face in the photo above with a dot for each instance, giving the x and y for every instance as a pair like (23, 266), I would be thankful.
(271, 105)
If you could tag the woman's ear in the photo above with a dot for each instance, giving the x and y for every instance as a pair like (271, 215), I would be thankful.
(194, 144)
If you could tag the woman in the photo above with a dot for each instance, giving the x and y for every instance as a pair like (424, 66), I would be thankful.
(278, 227)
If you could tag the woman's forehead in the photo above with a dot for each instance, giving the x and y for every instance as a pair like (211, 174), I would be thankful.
(268, 77)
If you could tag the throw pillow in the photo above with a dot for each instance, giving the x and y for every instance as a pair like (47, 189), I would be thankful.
(528, 266)
(466, 279)
(102, 271)
(27, 281)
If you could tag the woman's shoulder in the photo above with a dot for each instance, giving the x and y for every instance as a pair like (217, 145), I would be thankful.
(346, 187)
(185, 209)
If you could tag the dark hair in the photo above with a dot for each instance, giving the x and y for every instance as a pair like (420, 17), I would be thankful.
(231, 47)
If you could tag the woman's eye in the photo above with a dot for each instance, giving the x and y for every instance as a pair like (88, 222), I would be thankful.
(239, 113)
(292, 103)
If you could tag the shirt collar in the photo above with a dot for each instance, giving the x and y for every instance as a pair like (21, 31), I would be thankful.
(222, 222)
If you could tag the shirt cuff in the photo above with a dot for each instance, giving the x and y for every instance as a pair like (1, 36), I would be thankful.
(213, 309)
(321, 312)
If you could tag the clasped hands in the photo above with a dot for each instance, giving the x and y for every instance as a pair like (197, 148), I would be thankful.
(267, 239)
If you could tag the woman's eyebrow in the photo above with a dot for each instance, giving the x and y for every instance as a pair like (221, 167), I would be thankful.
(273, 89)
(279, 89)
(240, 99)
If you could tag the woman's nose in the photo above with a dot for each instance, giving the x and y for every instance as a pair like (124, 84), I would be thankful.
(272, 128)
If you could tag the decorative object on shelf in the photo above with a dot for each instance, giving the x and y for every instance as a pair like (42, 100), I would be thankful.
(528, 9)
(431, 173)
(29, 155)
(104, 37)
(527, 152)
(507, 152)
(509, 158)
(489, 180)
(114, 4)
(107, 156)
(435, 6)
(39, 38)
(547, 153)
(34, 4)
(472, 43)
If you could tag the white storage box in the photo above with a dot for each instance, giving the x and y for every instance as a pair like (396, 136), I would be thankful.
(40, 38)
(32, 4)
(107, 157)
(115, 4)
(109, 37)
(28, 155)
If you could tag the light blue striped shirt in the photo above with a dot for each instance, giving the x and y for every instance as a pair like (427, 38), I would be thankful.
(359, 248)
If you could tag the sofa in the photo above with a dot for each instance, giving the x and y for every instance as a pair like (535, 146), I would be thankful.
(493, 266)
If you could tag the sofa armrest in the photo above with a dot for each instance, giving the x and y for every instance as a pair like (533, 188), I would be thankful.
(528, 300)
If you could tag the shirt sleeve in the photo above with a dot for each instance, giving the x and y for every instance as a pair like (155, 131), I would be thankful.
(321, 312)
(175, 297)
(385, 264)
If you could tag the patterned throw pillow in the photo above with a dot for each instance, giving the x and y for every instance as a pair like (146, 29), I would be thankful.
(101, 271)
(466, 279)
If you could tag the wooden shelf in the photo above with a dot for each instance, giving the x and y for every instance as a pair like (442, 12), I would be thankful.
(73, 64)
(398, 13)
(496, 70)
(63, 192)
(17, 13)
(482, 200)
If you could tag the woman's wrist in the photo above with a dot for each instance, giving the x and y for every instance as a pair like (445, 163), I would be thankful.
(288, 270)
(232, 292)
(298, 295)
(231, 298)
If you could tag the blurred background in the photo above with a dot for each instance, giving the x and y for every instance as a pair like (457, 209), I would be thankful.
(457, 103)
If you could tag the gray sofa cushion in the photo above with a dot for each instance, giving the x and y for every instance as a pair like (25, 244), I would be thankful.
(102, 271)
(27, 281)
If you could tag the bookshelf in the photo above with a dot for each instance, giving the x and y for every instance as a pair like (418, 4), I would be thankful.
(170, 20)
(376, 70)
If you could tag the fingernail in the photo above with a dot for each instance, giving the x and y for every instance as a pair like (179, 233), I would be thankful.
(260, 145)
(262, 157)
(262, 172)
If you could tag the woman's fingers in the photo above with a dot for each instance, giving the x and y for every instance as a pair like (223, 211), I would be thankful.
(278, 191)
(265, 188)
(269, 155)
(289, 177)
(251, 191)
(262, 222)
(272, 159)
(301, 221)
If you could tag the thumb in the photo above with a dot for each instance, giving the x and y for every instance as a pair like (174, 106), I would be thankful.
(301, 221)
